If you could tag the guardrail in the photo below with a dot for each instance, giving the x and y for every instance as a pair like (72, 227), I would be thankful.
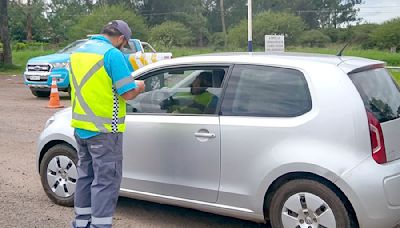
(393, 68)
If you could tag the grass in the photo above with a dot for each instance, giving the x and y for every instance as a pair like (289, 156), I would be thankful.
(184, 51)
(9, 69)
(396, 76)
(20, 58)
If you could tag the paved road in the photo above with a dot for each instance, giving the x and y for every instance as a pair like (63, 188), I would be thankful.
(22, 200)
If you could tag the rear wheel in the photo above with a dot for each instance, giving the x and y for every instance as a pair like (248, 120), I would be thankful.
(309, 204)
(58, 174)
(38, 93)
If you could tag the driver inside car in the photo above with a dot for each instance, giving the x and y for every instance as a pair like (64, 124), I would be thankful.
(202, 101)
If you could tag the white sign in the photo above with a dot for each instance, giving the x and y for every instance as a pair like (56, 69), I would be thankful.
(274, 43)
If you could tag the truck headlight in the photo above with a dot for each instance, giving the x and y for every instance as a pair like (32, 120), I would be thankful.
(60, 65)
(49, 121)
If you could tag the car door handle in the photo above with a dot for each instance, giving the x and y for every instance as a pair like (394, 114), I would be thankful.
(204, 135)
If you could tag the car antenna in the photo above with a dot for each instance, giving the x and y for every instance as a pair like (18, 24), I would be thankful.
(340, 53)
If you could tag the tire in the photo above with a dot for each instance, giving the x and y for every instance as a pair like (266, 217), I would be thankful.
(37, 93)
(69, 91)
(295, 194)
(59, 165)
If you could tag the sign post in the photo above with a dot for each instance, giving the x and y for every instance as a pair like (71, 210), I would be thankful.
(274, 43)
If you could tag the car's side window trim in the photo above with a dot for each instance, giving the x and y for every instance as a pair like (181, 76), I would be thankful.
(224, 86)
(156, 71)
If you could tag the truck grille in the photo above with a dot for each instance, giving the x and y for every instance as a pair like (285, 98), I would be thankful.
(38, 67)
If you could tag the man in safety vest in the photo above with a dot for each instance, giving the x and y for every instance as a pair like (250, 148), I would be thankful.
(101, 82)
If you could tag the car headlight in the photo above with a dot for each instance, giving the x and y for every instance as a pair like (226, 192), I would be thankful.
(49, 121)
(60, 65)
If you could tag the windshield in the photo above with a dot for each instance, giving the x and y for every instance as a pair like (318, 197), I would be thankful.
(379, 92)
(72, 47)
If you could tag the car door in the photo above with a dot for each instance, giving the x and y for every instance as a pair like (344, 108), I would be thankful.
(172, 143)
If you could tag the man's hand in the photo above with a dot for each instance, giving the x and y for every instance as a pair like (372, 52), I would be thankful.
(131, 94)
(140, 85)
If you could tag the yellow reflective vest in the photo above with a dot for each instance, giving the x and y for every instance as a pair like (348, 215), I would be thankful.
(96, 106)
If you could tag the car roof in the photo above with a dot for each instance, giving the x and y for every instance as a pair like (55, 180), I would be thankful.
(285, 59)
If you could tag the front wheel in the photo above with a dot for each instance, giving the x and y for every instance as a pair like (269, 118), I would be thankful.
(58, 174)
(38, 93)
(310, 204)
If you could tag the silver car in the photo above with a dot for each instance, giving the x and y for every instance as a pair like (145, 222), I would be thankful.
(296, 140)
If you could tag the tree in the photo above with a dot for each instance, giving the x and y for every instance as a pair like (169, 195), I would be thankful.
(362, 34)
(388, 35)
(221, 5)
(169, 34)
(314, 38)
(268, 23)
(101, 15)
(63, 15)
(27, 21)
(5, 37)
(191, 13)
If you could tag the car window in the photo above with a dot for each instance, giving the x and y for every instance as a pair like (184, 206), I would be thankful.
(72, 47)
(130, 48)
(379, 92)
(194, 90)
(266, 91)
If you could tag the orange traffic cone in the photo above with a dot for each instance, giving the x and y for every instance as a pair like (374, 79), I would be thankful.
(54, 96)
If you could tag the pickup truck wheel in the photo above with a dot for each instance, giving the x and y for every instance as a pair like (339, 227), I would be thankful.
(40, 93)
(69, 91)
(308, 203)
(58, 174)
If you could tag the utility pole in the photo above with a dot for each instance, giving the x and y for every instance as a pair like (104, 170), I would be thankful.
(250, 26)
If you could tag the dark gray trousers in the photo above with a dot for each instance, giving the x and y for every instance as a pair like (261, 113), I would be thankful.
(99, 178)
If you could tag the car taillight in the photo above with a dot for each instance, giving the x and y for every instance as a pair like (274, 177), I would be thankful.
(377, 141)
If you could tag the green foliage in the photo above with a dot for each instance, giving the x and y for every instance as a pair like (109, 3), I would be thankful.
(93, 23)
(169, 34)
(63, 16)
(237, 36)
(314, 38)
(19, 46)
(218, 40)
(18, 12)
(338, 35)
(362, 34)
(191, 13)
(388, 35)
(267, 23)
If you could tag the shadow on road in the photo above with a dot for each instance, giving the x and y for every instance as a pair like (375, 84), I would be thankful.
(171, 216)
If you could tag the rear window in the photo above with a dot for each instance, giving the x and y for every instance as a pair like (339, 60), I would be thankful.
(379, 92)
(266, 91)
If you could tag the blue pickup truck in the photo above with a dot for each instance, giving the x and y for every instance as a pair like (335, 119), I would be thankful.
(41, 70)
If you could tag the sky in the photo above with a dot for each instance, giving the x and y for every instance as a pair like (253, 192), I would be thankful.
(378, 11)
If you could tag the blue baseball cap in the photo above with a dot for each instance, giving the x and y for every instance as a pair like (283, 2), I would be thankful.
(122, 27)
